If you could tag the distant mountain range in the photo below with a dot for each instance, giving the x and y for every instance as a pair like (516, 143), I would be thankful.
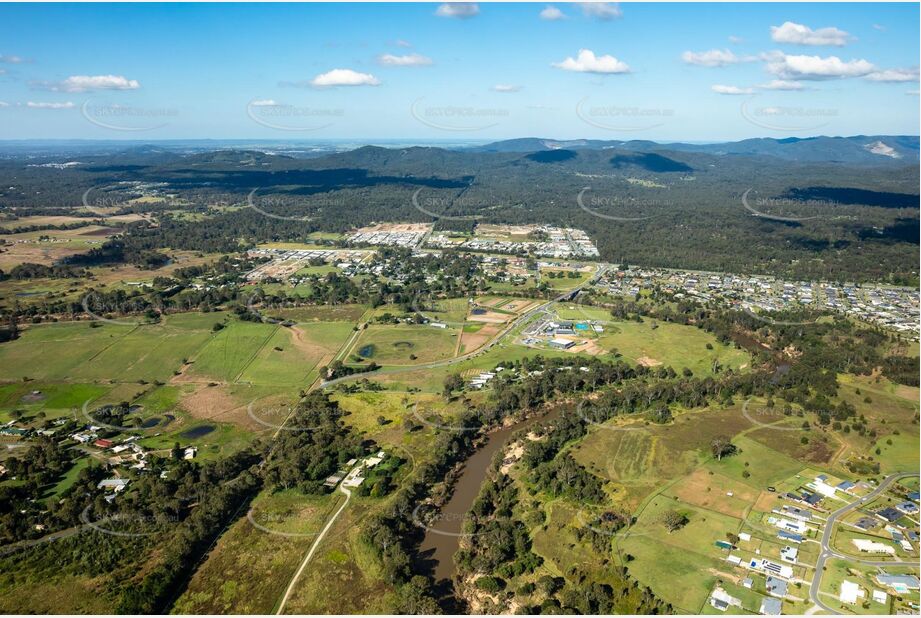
(855, 150)
(858, 150)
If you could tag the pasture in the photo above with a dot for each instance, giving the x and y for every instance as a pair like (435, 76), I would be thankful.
(405, 344)
(250, 567)
(656, 344)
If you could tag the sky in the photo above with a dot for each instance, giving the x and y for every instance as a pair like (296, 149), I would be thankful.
(452, 72)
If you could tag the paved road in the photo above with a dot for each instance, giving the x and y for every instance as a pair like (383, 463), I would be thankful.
(313, 548)
(827, 552)
(524, 317)
(511, 327)
(54, 536)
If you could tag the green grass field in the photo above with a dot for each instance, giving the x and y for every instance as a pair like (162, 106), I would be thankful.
(249, 568)
(397, 344)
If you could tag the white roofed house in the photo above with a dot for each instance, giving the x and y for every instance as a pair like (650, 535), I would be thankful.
(116, 485)
(851, 592)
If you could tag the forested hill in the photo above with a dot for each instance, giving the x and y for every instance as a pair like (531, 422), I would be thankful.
(814, 209)
(897, 150)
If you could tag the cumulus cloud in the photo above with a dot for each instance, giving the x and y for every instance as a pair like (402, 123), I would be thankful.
(11, 59)
(798, 34)
(343, 77)
(721, 89)
(816, 67)
(587, 62)
(459, 10)
(506, 88)
(45, 105)
(894, 75)
(782, 84)
(604, 11)
(409, 60)
(551, 13)
(713, 58)
(735, 40)
(89, 83)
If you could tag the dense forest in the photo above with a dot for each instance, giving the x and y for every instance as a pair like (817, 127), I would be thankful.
(815, 219)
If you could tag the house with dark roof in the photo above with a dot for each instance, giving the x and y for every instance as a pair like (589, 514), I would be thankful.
(845, 486)
(889, 514)
(866, 523)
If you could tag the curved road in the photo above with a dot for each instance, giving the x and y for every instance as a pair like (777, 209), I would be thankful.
(323, 384)
(827, 552)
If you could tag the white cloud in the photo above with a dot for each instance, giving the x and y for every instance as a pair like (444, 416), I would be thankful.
(604, 11)
(551, 13)
(894, 75)
(735, 40)
(782, 84)
(587, 62)
(798, 34)
(88, 83)
(459, 10)
(816, 67)
(402, 43)
(344, 77)
(43, 105)
(719, 88)
(878, 27)
(4, 104)
(912, 93)
(11, 59)
(264, 103)
(506, 88)
(409, 60)
(713, 58)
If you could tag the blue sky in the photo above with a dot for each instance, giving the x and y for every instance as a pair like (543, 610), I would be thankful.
(427, 71)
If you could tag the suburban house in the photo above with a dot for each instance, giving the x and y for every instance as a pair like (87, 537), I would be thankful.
(722, 600)
(115, 485)
(776, 587)
(770, 607)
(851, 592)
(899, 583)
(889, 514)
(788, 554)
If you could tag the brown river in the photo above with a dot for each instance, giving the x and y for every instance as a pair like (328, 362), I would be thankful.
(442, 538)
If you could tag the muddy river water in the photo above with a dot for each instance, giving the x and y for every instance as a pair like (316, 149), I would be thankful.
(442, 537)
